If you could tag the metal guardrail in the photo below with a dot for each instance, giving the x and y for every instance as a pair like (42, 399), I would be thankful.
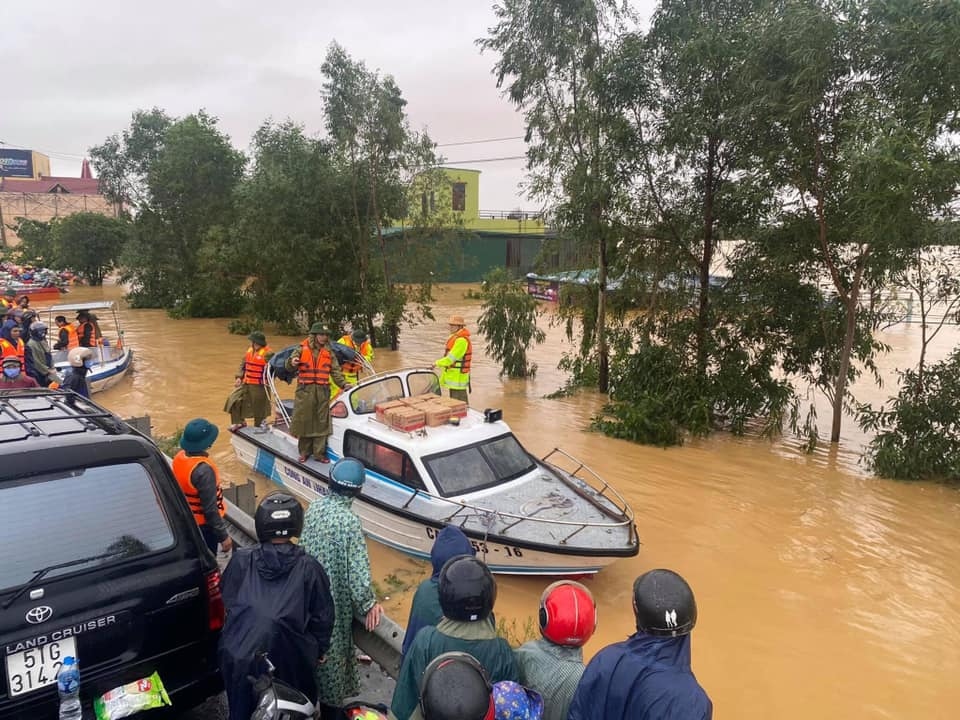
(382, 645)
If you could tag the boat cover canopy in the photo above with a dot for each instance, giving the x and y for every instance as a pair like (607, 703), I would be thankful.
(95, 305)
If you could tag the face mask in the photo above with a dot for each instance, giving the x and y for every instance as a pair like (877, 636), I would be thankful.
(88, 364)
(11, 372)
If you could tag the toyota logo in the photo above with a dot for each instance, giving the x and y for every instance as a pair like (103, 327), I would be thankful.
(39, 614)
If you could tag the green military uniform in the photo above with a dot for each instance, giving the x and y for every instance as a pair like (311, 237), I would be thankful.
(311, 423)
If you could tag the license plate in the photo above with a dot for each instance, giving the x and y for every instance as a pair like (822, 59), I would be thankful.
(37, 667)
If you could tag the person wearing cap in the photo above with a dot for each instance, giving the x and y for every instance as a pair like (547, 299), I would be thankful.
(199, 480)
(358, 342)
(332, 533)
(86, 333)
(316, 364)
(250, 397)
(648, 675)
(455, 364)
(13, 376)
(553, 664)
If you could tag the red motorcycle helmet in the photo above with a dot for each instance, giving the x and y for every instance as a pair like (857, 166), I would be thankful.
(568, 614)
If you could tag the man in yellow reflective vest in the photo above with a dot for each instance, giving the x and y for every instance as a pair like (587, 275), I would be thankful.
(357, 340)
(455, 365)
(199, 480)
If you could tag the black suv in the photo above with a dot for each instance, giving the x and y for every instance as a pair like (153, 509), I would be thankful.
(100, 559)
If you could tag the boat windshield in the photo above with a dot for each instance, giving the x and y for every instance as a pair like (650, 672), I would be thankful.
(479, 466)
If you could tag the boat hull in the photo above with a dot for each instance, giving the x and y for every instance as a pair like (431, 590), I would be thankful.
(412, 534)
(106, 375)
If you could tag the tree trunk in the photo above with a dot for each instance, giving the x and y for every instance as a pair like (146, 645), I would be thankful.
(852, 305)
(706, 259)
(603, 353)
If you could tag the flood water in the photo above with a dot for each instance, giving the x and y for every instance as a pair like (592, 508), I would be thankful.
(823, 592)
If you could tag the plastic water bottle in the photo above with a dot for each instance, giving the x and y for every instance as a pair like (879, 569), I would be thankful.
(68, 683)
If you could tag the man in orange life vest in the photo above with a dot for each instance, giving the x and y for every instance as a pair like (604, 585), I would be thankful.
(199, 480)
(455, 365)
(86, 330)
(316, 364)
(66, 334)
(251, 400)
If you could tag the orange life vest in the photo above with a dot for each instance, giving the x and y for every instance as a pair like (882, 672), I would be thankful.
(183, 467)
(314, 371)
(462, 365)
(7, 349)
(351, 367)
(72, 339)
(254, 364)
(93, 333)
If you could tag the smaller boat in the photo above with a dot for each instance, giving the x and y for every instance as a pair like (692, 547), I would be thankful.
(111, 356)
(524, 515)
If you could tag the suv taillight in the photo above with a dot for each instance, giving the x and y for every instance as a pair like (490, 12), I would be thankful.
(215, 610)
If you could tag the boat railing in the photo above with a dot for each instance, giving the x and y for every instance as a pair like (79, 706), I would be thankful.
(590, 477)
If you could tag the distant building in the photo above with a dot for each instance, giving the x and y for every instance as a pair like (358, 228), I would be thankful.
(45, 198)
(28, 164)
(509, 239)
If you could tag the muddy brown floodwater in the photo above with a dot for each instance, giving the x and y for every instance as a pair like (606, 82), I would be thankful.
(823, 592)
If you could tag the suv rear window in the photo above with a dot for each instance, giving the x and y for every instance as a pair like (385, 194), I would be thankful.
(63, 517)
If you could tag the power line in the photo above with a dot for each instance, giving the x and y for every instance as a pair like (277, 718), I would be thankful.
(480, 142)
(483, 160)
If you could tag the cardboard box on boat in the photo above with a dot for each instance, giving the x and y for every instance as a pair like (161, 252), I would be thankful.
(405, 418)
(436, 414)
(382, 408)
(417, 400)
(458, 408)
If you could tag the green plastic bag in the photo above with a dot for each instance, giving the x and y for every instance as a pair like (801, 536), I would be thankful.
(144, 694)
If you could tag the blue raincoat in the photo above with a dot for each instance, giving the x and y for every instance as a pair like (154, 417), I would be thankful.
(642, 678)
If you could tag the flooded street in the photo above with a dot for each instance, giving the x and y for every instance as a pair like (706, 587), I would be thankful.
(823, 592)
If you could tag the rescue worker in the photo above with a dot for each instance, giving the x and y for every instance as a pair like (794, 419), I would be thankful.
(250, 398)
(648, 675)
(332, 533)
(455, 365)
(14, 347)
(358, 342)
(13, 377)
(86, 332)
(316, 364)
(39, 359)
(454, 686)
(66, 334)
(553, 664)
(425, 610)
(467, 595)
(8, 300)
(199, 480)
(81, 360)
(11, 319)
(278, 601)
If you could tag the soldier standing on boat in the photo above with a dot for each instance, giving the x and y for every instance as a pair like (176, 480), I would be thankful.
(315, 363)
(249, 399)
(455, 365)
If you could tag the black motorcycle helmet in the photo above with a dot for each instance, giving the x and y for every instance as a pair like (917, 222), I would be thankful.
(455, 686)
(664, 604)
(467, 589)
(278, 516)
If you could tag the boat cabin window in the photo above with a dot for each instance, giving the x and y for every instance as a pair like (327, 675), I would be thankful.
(365, 398)
(479, 466)
(383, 459)
(421, 383)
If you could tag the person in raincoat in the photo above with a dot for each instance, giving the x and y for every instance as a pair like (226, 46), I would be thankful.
(425, 610)
(316, 364)
(278, 602)
(648, 675)
(455, 364)
(249, 399)
(39, 359)
(332, 533)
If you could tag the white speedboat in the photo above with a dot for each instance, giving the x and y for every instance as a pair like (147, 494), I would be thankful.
(111, 356)
(524, 515)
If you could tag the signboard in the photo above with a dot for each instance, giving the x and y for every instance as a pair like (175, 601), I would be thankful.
(543, 289)
(16, 163)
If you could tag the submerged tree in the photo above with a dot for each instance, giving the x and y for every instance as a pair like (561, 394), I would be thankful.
(90, 244)
(508, 322)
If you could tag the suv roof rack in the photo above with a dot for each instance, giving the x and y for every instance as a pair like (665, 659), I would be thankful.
(51, 413)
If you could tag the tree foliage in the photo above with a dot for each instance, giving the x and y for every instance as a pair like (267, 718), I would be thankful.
(508, 322)
(90, 244)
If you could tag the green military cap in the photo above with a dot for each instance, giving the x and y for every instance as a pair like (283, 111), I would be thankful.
(319, 329)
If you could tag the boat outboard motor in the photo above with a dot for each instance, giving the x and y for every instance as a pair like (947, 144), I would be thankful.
(664, 604)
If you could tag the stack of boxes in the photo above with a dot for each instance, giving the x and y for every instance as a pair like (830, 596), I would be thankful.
(413, 413)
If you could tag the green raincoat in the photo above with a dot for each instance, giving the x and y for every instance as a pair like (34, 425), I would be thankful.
(311, 407)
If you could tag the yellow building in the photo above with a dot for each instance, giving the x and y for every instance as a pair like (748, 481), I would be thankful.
(24, 164)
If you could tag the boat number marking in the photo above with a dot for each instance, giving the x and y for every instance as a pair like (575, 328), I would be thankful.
(480, 546)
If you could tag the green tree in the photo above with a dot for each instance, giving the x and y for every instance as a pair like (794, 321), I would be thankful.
(37, 244)
(90, 244)
(551, 62)
(852, 102)
(508, 322)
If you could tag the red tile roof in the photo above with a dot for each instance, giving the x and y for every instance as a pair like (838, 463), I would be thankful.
(76, 186)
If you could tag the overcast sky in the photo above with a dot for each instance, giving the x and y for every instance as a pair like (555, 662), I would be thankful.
(73, 72)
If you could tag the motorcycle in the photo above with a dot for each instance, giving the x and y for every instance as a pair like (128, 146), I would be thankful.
(278, 701)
